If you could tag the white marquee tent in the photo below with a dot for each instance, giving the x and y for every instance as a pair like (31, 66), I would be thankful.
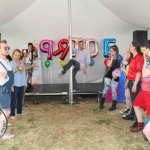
(34, 20)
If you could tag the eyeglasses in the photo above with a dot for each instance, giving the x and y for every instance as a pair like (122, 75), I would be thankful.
(6, 48)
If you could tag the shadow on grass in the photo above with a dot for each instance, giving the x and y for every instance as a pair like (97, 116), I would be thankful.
(101, 121)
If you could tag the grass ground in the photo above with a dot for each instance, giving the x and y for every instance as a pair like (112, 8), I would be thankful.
(54, 126)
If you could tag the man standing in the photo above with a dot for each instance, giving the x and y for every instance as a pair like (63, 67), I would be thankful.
(6, 83)
(81, 61)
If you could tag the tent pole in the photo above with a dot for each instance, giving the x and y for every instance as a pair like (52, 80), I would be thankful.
(70, 53)
(148, 36)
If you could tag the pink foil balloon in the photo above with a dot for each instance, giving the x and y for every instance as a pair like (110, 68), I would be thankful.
(48, 49)
(87, 43)
(76, 41)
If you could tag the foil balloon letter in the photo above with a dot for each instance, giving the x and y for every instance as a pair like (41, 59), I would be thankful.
(46, 46)
(61, 49)
(107, 47)
(87, 43)
(76, 41)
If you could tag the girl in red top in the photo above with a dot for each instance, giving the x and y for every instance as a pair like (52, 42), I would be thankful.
(134, 76)
(143, 98)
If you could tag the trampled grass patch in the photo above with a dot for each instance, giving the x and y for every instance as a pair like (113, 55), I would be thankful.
(31, 120)
(96, 111)
(101, 121)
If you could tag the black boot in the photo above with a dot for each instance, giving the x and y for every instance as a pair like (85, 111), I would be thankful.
(113, 107)
(101, 106)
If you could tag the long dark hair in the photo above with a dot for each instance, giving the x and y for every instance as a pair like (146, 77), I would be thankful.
(137, 46)
(131, 56)
(116, 49)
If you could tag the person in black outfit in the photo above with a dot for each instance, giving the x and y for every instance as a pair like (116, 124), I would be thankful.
(9, 58)
(112, 64)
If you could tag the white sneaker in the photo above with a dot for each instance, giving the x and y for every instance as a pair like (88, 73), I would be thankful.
(76, 90)
(14, 118)
(61, 74)
(125, 112)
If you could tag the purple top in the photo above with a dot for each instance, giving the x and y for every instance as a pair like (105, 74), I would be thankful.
(82, 56)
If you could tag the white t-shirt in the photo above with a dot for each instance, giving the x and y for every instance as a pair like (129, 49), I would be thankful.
(28, 58)
(2, 69)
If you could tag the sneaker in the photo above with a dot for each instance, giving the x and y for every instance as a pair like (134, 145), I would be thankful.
(139, 127)
(128, 117)
(135, 124)
(24, 106)
(7, 136)
(76, 90)
(9, 124)
(61, 74)
(14, 118)
(127, 111)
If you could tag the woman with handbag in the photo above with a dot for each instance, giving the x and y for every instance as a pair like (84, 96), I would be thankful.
(111, 78)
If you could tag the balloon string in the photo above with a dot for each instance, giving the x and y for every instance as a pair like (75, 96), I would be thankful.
(47, 75)
(84, 78)
(90, 73)
(51, 71)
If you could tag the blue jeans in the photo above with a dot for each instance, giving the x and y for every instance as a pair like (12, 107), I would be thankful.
(17, 95)
(5, 98)
(76, 65)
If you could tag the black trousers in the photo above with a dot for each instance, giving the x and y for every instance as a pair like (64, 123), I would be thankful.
(133, 95)
(76, 65)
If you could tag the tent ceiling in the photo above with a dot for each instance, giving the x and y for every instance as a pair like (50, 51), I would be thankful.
(136, 12)
(12, 8)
